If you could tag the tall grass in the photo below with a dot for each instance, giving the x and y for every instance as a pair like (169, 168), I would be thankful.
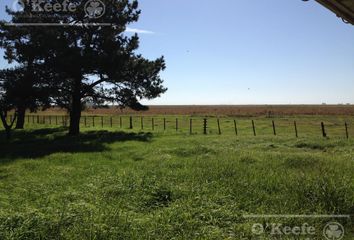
(105, 184)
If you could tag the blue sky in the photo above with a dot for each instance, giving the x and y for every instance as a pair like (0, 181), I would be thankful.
(247, 51)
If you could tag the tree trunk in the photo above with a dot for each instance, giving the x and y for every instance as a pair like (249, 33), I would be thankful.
(7, 126)
(8, 133)
(21, 111)
(75, 109)
(75, 115)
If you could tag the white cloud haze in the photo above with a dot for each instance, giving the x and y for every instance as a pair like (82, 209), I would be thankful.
(136, 30)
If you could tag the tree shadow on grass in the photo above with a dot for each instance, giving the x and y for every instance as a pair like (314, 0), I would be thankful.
(43, 142)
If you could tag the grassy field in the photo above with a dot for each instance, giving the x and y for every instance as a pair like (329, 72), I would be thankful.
(112, 183)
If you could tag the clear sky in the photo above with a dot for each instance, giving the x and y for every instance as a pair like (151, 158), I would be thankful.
(247, 51)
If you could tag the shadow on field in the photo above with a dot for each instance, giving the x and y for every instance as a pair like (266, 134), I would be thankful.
(43, 142)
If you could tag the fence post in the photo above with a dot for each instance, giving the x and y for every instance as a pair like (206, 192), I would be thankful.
(130, 122)
(93, 121)
(274, 131)
(235, 124)
(120, 122)
(56, 120)
(219, 127)
(85, 121)
(164, 124)
(111, 121)
(205, 126)
(346, 130)
(295, 126)
(254, 128)
(176, 124)
(37, 119)
(191, 126)
(152, 124)
(142, 123)
(50, 120)
(101, 121)
(323, 130)
(33, 119)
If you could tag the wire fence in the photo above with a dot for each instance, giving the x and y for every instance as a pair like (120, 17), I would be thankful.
(297, 127)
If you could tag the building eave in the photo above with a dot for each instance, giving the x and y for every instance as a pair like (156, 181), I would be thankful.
(342, 8)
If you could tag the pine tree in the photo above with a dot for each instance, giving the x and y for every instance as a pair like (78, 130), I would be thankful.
(6, 103)
(95, 60)
(23, 49)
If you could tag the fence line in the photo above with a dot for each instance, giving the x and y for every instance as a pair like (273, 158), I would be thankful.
(296, 133)
(196, 124)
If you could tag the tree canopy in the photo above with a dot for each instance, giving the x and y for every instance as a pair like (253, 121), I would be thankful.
(86, 59)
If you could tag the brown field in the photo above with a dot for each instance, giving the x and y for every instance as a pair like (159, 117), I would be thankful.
(224, 110)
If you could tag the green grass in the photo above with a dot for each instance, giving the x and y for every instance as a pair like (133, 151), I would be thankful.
(107, 184)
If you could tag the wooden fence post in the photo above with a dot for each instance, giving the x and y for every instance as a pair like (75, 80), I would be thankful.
(205, 126)
(102, 121)
(142, 123)
(93, 121)
(274, 131)
(56, 120)
(176, 124)
(346, 130)
(111, 122)
(50, 120)
(33, 119)
(254, 128)
(324, 134)
(219, 129)
(164, 124)
(191, 126)
(235, 125)
(152, 124)
(130, 122)
(295, 126)
(120, 122)
(37, 119)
